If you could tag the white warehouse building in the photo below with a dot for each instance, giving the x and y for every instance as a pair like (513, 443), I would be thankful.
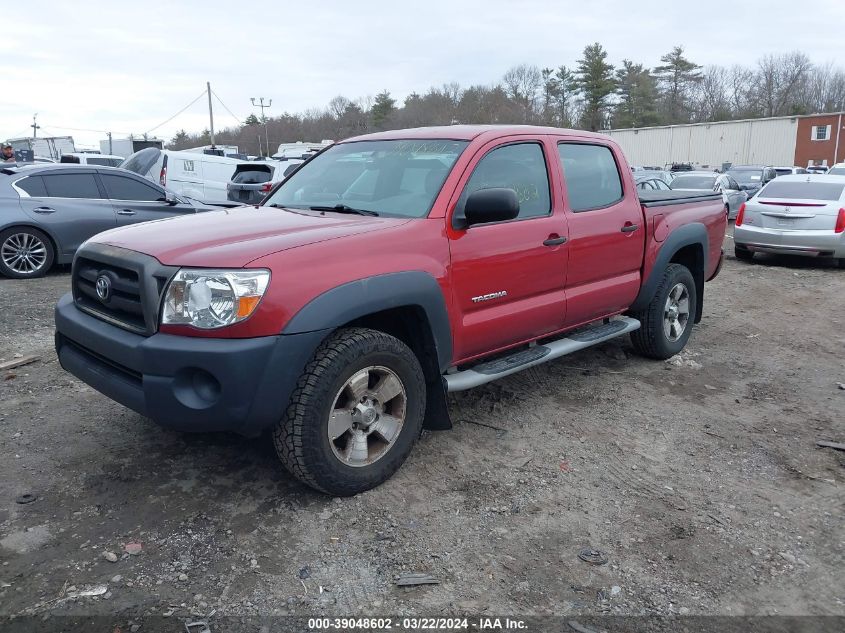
(770, 141)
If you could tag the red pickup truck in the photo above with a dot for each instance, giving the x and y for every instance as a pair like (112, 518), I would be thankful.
(385, 272)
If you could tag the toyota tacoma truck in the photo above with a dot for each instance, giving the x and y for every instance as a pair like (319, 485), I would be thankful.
(385, 272)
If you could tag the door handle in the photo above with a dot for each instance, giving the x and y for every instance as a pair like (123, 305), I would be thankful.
(126, 212)
(554, 241)
(629, 228)
(43, 210)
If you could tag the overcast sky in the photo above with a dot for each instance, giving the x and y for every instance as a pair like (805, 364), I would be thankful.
(127, 67)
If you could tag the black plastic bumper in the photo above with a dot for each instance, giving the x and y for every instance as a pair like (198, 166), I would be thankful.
(185, 383)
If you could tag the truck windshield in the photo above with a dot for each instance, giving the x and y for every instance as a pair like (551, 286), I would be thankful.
(398, 178)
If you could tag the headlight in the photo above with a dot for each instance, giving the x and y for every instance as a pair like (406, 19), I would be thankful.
(209, 299)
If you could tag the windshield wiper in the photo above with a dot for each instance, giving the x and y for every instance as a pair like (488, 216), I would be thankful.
(343, 208)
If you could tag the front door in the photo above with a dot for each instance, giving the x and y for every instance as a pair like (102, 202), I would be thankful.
(606, 233)
(136, 200)
(508, 277)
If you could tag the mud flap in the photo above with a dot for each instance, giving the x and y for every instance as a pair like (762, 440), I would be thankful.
(436, 408)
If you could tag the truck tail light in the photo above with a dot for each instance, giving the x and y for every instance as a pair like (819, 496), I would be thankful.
(740, 215)
(162, 177)
(840, 222)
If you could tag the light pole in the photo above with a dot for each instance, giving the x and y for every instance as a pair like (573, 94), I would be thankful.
(262, 105)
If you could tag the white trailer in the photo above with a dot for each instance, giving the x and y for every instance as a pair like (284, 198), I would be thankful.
(45, 146)
(125, 147)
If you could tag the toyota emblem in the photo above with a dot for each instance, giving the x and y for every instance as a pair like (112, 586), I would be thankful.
(103, 288)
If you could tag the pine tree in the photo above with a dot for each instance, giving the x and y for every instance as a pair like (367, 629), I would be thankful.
(383, 109)
(637, 91)
(596, 83)
(677, 77)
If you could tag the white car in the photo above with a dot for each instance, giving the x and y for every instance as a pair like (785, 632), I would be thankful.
(794, 215)
(732, 194)
(86, 158)
(790, 171)
(837, 170)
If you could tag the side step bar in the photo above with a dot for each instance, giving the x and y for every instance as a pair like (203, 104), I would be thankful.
(574, 341)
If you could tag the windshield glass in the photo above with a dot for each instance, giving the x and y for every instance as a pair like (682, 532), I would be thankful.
(837, 171)
(746, 176)
(397, 178)
(693, 182)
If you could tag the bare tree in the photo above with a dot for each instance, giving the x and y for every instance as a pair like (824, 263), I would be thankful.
(780, 79)
(522, 84)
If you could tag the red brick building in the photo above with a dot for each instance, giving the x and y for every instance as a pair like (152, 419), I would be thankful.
(820, 139)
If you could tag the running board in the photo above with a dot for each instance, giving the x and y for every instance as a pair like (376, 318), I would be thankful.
(574, 341)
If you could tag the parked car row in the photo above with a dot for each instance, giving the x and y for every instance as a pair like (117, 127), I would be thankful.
(48, 210)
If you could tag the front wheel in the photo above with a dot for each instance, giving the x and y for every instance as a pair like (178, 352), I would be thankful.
(25, 253)
(666, 324)
(355, 413)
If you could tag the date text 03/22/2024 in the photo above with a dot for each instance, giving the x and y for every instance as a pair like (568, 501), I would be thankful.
(417, 624)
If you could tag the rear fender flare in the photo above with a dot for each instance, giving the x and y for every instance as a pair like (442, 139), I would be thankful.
(687, 235)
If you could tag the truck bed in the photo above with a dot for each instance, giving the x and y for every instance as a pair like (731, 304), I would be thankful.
(664, 198)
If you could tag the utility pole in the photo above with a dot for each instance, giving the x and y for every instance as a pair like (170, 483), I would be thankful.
(35, 127)
(261, 105)
(210, 114)
(109, 135)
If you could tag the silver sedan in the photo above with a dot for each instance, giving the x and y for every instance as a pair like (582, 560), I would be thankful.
(732, 194)
(794, 215)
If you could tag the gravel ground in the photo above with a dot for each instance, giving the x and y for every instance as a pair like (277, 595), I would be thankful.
(698, 478)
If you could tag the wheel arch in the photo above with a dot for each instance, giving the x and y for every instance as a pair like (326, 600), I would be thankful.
(686, 245)
(408, 305)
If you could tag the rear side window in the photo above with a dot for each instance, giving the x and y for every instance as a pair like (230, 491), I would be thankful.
(521, 167)
(802, 190)
(123, 188)
(71, 186)
(33, 185)
(592, 177)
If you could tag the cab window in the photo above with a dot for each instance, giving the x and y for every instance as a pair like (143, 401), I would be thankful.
(591, 175)
(521, 167)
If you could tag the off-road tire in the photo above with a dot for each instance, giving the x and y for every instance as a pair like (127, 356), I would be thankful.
(49, 253)
(743, 254)
(650, 340)
(301, 436)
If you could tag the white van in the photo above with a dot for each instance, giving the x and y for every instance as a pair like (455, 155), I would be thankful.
(86, 158)
(199, 176)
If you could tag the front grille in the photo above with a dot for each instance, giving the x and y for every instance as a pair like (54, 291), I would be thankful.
(124, 307)
(135, 283)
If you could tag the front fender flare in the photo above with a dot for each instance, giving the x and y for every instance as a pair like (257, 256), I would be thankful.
(362, 297)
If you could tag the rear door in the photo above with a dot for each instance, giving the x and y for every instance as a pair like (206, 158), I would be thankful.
(606, 232)
(135, 200)
(508, 277)
(70, 205)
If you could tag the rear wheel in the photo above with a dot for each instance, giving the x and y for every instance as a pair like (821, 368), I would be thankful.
(743, 253)
(666, 324)
(25, 253)
(355, 413)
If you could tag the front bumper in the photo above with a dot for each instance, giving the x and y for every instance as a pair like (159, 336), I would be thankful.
(809, 243)
(185, 383)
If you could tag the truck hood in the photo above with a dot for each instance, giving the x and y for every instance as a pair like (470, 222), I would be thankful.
(234, 237)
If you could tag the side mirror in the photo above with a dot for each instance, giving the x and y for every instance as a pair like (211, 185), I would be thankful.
(491, 205)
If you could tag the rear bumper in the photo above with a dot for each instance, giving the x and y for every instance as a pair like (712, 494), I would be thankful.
(809, 243)
(185, 383)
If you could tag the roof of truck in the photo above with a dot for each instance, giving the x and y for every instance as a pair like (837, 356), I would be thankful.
(470, 132)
